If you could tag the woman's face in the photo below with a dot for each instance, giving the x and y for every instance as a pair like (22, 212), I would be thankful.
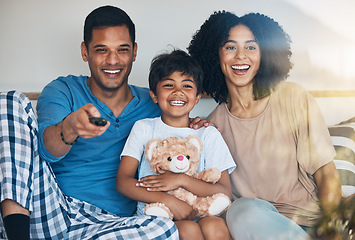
(239, 57)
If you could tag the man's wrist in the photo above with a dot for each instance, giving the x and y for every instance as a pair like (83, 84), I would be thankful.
(62, 135)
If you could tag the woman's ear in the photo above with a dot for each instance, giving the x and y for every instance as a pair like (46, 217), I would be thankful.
(153, 96)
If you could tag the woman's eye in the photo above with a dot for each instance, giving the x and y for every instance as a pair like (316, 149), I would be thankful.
(230, 47)
(251, 48)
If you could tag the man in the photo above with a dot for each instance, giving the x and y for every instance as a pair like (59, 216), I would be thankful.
(84, 157)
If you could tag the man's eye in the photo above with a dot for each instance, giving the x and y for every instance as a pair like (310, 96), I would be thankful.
(100, 50)
(123, 50)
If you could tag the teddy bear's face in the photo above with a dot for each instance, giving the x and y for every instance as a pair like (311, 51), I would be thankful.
(178, 155)
(179, 163)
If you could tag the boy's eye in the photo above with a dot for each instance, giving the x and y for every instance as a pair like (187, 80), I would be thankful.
(168, 85)
(188, 86)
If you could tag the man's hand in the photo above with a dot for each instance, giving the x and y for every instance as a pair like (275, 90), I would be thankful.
(77, 123)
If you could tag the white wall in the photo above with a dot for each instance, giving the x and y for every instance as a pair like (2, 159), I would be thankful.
(40, 39)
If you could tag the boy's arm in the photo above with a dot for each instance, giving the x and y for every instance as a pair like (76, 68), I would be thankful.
(126, 184)
(170, 181)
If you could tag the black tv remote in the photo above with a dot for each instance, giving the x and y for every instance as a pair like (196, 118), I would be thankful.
(98, 121)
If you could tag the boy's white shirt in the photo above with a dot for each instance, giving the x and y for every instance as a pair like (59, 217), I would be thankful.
(215, 152)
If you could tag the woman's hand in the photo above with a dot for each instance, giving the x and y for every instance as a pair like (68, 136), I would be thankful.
(197, 123)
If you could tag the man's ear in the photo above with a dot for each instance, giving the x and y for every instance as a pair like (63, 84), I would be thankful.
(153, 96)
(135, 48)
(84, 52)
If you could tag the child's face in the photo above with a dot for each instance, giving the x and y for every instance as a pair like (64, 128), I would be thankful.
(176, 96)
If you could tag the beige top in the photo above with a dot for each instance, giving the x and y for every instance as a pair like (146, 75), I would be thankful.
(278, 151)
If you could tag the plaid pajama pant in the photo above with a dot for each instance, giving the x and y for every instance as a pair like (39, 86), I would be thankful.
(28, 180)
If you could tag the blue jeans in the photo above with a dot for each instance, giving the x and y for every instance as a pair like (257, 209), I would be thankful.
(250, 218)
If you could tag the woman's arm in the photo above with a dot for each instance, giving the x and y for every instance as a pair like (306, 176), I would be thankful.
(170, 181)
(126, 184)
(329, 189)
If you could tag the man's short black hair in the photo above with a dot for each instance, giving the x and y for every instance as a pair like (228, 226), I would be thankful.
(107, 16)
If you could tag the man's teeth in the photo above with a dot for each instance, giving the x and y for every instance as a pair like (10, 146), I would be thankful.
(244, 67)
(177, 103)
(112, 71)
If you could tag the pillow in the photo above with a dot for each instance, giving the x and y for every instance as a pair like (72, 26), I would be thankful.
(343, 138)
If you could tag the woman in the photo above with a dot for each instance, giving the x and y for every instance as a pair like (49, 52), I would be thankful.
(274, 129)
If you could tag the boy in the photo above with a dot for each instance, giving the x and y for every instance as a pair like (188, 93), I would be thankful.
(175, 85)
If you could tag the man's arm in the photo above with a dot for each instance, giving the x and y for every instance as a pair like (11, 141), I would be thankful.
(74, 125)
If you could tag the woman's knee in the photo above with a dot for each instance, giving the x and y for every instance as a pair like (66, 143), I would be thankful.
(246, 207)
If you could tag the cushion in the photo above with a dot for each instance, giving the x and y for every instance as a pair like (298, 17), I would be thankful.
(343, 138)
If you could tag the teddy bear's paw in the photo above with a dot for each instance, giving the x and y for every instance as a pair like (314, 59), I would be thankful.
(220, 204)
(158, 209)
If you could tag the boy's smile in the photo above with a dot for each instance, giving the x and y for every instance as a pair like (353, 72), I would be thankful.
(176, 96)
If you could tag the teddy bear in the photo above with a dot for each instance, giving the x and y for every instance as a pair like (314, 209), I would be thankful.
(182, 155)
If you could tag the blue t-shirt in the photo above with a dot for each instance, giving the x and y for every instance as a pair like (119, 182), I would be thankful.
(88, 171)
(215, 152)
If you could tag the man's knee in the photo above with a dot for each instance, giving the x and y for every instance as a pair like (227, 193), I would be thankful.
(9, 206)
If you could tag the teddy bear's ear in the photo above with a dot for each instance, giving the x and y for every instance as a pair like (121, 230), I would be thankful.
(194, 140)
(149, 149)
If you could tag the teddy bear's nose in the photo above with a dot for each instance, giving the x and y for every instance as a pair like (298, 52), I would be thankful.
(180, 157)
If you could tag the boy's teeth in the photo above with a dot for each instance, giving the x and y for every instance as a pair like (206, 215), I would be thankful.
(177, 102)
(244, 67)
(112, 71)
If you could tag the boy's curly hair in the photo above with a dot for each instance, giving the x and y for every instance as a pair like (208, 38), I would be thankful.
(273, 42)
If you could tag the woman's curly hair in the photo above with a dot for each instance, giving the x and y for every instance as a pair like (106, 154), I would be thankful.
(273, 42)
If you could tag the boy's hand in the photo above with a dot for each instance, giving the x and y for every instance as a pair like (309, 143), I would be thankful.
(180, 209)
(165, 182)
(197, 123)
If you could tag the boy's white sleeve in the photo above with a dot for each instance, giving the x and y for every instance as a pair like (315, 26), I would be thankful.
(134, 146)
(216, 152)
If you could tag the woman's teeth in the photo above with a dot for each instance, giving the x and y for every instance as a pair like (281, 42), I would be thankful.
(244, 67)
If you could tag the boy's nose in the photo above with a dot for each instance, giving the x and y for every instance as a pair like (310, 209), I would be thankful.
(177, 93)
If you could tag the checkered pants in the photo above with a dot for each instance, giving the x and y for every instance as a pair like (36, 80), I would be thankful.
(28, 180)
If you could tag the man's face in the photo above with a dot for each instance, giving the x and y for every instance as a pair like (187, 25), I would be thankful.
(110, 55)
